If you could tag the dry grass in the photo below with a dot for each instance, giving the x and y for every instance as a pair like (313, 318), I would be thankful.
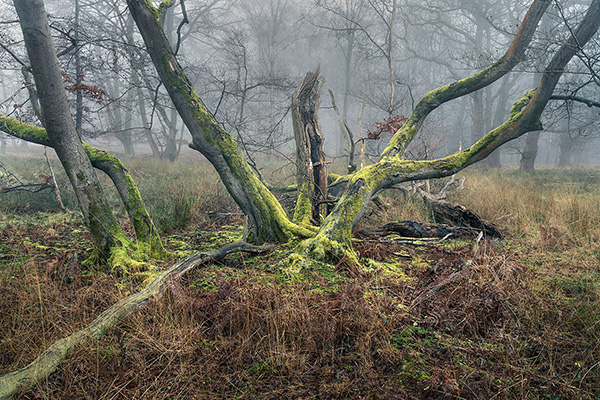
(519, 319)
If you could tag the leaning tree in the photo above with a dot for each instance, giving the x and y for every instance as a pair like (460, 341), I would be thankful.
(326, 237)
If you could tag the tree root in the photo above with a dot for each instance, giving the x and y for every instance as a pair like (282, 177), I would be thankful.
(47, 362)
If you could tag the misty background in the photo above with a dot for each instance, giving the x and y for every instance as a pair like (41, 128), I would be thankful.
(245, 58)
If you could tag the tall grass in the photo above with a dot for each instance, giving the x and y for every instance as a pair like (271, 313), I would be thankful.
(535, 206)
(183, 195)
(177, 195)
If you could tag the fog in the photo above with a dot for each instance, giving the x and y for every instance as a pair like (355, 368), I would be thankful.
(245, 59)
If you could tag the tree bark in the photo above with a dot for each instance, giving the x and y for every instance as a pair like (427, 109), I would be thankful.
(566, 146)
(529, 153)
(333, 239)
(311, 169)
(103, 226)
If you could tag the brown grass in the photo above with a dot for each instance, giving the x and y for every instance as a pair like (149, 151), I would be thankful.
(519, 319)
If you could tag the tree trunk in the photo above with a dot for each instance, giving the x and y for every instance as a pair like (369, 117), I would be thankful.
(390, 58)
(78, 75)
(171, 151)
(121, 129)
(145, 230)
(146, 124)
(267, 218)
(333, 238)
(103, 226)
(566, 147)
(501, 107)
(529, 153)
(311, 169)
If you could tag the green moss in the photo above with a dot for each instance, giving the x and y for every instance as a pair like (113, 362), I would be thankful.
(142, 222)
(303, 209)
(150, 7)
(519, 105)
(391, 268)
(418, 263)
(24, 131)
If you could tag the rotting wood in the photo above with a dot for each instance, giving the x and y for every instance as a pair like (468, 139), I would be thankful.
(310, 162)
(412, 229)
(451, 213)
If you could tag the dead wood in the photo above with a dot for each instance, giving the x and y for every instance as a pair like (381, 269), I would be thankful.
(454, 214)
(412, 229)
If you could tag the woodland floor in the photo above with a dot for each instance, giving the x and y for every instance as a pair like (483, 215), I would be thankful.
(512, 319)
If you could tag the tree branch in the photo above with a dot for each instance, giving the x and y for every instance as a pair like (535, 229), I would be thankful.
(587, 102)
(441, 95)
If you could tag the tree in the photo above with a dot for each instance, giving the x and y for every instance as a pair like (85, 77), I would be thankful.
(332, 239)
(61, 130)
(60, 133)
(329, 240)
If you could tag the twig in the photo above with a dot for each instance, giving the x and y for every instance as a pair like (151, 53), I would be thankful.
(476, 245)
(56, 189)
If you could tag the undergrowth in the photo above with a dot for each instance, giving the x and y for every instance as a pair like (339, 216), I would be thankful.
(517, 319)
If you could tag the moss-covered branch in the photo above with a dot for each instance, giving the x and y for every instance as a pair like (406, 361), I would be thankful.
(145, 230)
(47, 362)
(334, 234)
(487, 76)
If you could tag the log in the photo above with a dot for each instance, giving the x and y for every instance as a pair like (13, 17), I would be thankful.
(412, 229)
(446, 212)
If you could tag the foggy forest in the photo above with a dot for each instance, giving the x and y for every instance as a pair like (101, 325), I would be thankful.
(284, 199)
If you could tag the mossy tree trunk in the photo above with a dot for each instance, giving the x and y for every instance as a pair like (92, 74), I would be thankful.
(267, 218)
(145, 230)
(311, 167)
(334, 235)
(102, 224)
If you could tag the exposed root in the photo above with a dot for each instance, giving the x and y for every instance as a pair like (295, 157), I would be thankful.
(47, 362)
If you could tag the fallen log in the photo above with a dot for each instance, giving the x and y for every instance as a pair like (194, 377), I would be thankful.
(47, 362)
(446, 212)
(412, 229)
